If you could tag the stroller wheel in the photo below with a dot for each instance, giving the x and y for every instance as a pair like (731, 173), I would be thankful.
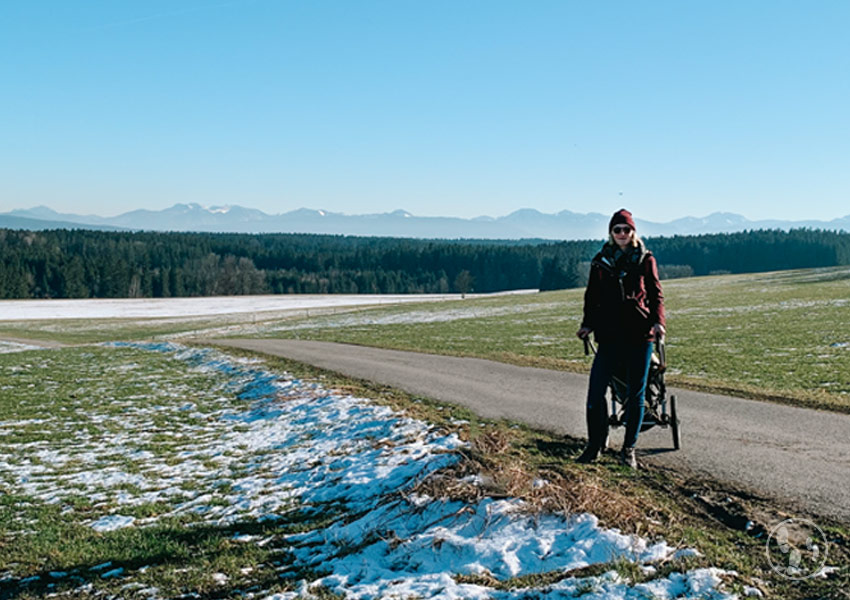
(674, 424)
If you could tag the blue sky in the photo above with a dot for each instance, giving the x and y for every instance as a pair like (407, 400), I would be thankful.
(457, 108)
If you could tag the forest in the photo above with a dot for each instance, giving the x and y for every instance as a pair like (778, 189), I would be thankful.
(96, 264)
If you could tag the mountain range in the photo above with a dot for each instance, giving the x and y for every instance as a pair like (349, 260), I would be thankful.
(522, 224)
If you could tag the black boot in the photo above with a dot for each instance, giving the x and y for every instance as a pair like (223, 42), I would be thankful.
(591, 453)
(628, 458)
(597, 433)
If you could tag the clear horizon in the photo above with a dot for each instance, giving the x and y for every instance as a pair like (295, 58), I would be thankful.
(458, 109)
(494, 216)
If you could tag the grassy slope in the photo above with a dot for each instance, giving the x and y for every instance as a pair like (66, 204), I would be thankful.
(37, 538)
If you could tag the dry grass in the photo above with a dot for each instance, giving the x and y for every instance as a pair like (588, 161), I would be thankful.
(494, 466)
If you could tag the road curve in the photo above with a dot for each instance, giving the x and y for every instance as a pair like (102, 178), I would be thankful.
(798, 456)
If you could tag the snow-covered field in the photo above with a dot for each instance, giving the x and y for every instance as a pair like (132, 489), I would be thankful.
(130, 308)
(245, 444)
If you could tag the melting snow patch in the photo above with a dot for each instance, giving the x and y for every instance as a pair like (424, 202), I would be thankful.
(8, 346)
(415, 552)
(112, 522)
(493, 537)
(686, 553)
(113, 573)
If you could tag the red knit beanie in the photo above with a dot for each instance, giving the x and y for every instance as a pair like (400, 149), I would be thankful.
(622, 217)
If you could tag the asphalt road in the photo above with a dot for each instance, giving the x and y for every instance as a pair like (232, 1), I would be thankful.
(798, 456)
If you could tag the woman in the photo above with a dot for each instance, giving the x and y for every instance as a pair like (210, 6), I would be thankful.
(624, 309)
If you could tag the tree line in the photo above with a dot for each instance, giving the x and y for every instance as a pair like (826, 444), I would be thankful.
(97, 264)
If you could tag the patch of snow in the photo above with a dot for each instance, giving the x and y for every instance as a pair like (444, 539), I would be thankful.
(499, 538)
(7, 347)
(112, 522)
(111, 308)
(686, 553)
(113, 573)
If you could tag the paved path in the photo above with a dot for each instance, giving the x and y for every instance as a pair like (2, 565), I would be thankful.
(796, 455)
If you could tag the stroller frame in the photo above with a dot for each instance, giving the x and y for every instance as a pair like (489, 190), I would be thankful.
(656, 404)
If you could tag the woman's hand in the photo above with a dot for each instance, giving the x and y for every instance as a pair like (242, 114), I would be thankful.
(659, 331)
(583, 333)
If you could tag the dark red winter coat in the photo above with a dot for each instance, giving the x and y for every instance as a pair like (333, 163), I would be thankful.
(623, 299)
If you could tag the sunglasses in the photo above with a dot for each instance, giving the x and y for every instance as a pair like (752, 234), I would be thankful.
(621, 229)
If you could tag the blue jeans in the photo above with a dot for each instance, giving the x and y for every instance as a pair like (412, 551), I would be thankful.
(629, 360)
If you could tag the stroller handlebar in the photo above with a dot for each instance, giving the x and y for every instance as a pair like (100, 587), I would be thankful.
(660, 349)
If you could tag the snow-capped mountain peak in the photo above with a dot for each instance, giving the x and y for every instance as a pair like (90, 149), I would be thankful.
(219, 210)
(523, 223)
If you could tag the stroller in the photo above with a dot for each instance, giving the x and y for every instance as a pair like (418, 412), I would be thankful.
(655, 403)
